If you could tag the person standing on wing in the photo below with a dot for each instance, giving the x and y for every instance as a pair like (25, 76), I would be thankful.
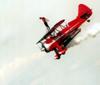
(45, 20)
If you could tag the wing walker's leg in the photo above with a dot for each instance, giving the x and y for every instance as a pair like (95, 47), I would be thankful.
(47, 26)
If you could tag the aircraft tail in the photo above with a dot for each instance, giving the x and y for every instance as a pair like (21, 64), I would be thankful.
(84, 12)
(82, 9)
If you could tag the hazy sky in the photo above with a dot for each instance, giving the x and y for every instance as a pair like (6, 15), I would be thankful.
(22, 62)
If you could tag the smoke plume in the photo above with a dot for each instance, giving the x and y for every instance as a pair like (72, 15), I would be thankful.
(91, 32)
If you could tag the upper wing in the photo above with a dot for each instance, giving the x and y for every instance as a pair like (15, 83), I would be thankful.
(52, 29)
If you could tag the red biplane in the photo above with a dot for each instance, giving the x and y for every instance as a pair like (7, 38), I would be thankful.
(58, 40)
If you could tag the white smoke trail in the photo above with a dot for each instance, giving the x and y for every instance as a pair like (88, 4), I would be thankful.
(91, 31)
(6, 70)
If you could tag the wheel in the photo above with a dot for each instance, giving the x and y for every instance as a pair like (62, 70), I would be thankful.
(58, 57)
(88, 20)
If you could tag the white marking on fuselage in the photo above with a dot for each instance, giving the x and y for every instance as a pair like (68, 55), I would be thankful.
(68, 30)
(54, 40)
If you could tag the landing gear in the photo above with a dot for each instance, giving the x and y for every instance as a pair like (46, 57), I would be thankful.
(57, 56)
